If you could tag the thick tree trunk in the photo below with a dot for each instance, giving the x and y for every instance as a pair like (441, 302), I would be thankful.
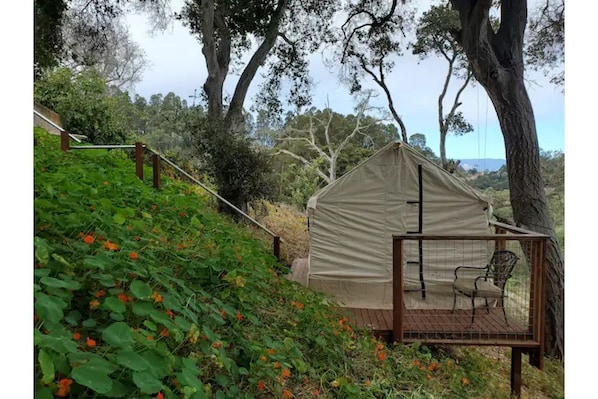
(497, 62)
(528, 199)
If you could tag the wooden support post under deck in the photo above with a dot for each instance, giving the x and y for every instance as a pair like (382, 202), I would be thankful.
(397, 290)
(276, 244)
(64, 141)
(139, 160)
(516, 372)
(156, 168)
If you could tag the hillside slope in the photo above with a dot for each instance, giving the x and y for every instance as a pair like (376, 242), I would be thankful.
(142, 293)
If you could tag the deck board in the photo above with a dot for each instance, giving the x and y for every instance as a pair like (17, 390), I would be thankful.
(444, 325)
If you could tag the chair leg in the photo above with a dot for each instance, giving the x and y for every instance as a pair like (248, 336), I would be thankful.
(487, 306)
(454, 300)
(504, 311)
(472, 309)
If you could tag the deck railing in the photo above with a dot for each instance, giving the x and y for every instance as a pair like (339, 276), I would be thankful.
(446, 316)
(157, 159)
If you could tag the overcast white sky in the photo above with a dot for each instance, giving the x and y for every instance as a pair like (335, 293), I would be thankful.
(178, 66)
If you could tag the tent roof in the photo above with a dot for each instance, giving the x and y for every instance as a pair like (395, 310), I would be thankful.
(417, 158)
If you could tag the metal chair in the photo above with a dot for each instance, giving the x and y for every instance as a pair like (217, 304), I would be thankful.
(489, 282)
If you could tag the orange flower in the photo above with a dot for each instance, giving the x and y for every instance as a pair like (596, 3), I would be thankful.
(286, 373)
(76, 336)
(416, 363)
(182, 214)
(123, 297)
(150, 337)
(90, 342)
(170, 313)
(263, 358)
(464, 381)
(261, 385)
(223, 313)
(129, 227)
(287, 394)
(137, 238)
(111, 246)
(277, 365)
(239, 315)
(88, 239)
(64, 387)
(160, 395)
(94, 304)
(316, 392)
(100, 293)
(133, 255)
(164, 333)
(271, 351)
(433, 366)
(217, 344)
(157, 297)
(382, 356)
(367, 383)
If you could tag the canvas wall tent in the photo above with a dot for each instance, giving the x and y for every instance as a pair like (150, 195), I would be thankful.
(352, 220)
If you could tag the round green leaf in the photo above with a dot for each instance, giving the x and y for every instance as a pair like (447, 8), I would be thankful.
(142, 308)
(57, 344)
(89, 323)
(58, 283)
(141, 290)
(146, 383)
(91, 378)
(115, 304)
(118, 390)
(131, 360)
(49, 308)
(118, 334)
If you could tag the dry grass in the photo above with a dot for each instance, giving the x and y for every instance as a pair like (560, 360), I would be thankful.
(289, 223)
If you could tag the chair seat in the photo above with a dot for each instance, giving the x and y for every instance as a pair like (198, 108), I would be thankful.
(486, 289)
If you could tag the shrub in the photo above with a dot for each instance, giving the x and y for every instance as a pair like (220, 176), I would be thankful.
(85, 105)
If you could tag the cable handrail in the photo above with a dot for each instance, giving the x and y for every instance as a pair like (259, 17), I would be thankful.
(58, 127)
(178, 168)
(139, 147)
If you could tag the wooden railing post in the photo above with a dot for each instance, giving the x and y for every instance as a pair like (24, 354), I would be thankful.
(397, 290)
(516, 372)
(276, 245)
(139, 160)
(64, 141)
(156, 168)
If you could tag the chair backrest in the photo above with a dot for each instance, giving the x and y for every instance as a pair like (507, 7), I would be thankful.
(501, 266)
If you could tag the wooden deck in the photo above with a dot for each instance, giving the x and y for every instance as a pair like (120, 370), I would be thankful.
(443, 326)
(435, 326)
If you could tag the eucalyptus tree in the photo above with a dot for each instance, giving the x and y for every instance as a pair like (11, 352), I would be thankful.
(318, 138)
(434, 37)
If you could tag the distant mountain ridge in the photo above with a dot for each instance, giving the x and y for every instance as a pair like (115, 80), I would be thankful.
(485, 164)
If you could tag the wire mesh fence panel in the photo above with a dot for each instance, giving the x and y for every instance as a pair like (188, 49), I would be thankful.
(481, 289)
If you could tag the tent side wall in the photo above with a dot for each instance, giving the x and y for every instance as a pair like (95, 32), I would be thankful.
(353, 220)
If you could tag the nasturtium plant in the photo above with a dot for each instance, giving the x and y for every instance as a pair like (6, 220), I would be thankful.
(144, 293)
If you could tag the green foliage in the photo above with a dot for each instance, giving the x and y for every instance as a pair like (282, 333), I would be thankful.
(85, 105)
(47, 20)
(142, 293)
(241, 171)
(418, 142)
